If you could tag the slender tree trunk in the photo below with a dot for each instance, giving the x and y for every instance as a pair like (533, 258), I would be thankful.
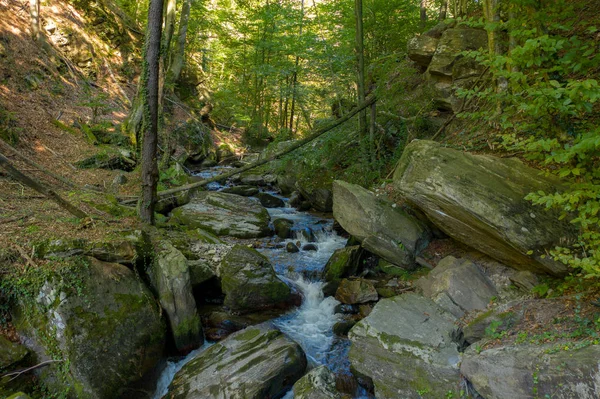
(295, 75)
(423, 14)
(443, 10)
(170, 8)
(34, 12)
(178, 56)
(149, 156)
(360, 56)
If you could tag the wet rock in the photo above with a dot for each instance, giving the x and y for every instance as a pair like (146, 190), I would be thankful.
(170, 278)
(404, 345)
(343, 263)
(291, 248)
(520, 370)
(319, 198)
(249, 281)
(479, 200)
(255, 363)
(270, 201)
(110, 334)
(253, 180)
(319, 383)
(224, 215)
(383, 228)
(345, 308)
(295, 199)
(283, 227)
(458, 285)
(341, 328)
(356, 291)
(245, 191)
(308, 234)
(310, 247)
(304, 206)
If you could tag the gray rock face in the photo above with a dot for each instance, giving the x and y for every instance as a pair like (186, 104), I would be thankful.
(404, 345)
(383, 229)
(451, 43)
(458, 286)
(249, 281)
(255, 363)
(319, 383)
(253, 180)
(224, 215)
(523, 372)
(421, 49)
(320, 198)
(270, 201)
(356, 291)
(111, 333)
(479, 201)
(171, 279)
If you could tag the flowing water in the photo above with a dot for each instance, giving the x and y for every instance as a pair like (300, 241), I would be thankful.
(311, 324)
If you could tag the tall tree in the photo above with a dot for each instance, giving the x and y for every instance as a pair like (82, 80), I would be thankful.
(178, 56)
(34, 13)
(150, 142)
(360, 57)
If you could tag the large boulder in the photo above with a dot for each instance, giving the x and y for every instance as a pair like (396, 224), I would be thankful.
(452, 42)
(343, 263)
(270, 201)
(108, 329)
(383, 228)
(320, 198)
(224, 215)
(11, 354)
(405, 347)
(255, 363)
(319, 383)
(480, 201)
(249, 281)
(458, 286)
(421, 49)
(170, 277)
(526, 371)
(355, 291)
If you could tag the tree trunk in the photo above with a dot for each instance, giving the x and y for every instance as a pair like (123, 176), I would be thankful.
(362, 117)
(170, 12)
(423, 13)
(34, 12)
(178, 56)
(149, 161)
(295, 75)
(443, 10)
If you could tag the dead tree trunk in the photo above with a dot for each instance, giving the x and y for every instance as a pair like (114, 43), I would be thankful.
(40, 188)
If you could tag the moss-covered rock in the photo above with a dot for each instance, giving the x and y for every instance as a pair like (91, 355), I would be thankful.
(243, 190)
(479, 200)
(224, 215)
(108, 330)
(255, 363)
(319, 383)
(355, 291)
(11, 354)
(283, 227)
(249, 281)
(405, 346)
(343, 263)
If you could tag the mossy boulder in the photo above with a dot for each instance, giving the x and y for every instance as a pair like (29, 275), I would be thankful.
(382, 227)
(270, 201)
(11, 353)
(479, 200)
(243, 190)
(249, 281)
(421, 49)
(343, 263)
(283, 227)
(122, 160)
(170, 278)
(319, 383)
(224, 215)
(355, 291)
(452, 42)
(405, 347)
(108, 329)
(255, 363)
(526, 371)
(320, 198)
(195, 141)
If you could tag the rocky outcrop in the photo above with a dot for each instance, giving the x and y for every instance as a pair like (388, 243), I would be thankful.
(224, 215)
(255, 363)
(321, 199)
(479, 201)
(319, 383)
(526, 371)
(422, 48)
(172, 282)
(249, 281)
(405, 346)
(355, 291)
(383, 228)
(458, 286)
(109, 330)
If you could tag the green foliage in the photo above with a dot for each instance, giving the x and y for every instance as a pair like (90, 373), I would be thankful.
(9, 131)
(547, 107)
(97, 101)
(492, 331)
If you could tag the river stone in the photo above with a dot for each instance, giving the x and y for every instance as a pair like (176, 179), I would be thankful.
(479, 201)
(249, 281)
(356, 291)
(244, 191)
(320, 198)
(452, 42)
(170, 278)
(253, 180)
(526, 371)
(255, 363)
(283, 227)
(286, 184)
(291, 248)
(310, 247)
(224, 215)
(110, 334)
(11, 353)
(404, 345)
(319, 383)
(458, 285)
(421, 49)
(200, 271)
(382, 228)
(343, 263)
(270, 201)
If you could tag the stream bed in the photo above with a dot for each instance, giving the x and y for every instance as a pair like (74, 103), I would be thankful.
(310, 324)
